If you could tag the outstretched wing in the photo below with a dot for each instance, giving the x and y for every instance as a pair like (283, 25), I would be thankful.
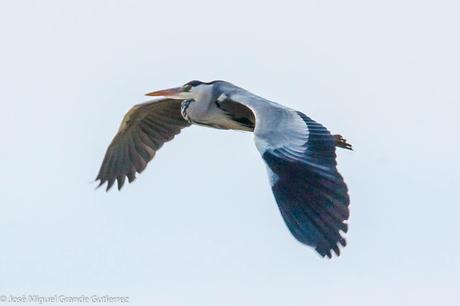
(300, 157)
(144, 129)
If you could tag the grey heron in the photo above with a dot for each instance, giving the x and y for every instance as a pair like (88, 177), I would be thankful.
(299, 153)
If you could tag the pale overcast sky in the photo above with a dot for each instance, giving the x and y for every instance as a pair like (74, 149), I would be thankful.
(200, 226)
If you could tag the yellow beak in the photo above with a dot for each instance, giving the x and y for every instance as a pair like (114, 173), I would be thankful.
(173, 93)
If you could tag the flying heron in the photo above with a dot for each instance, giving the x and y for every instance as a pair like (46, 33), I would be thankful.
(299, 152)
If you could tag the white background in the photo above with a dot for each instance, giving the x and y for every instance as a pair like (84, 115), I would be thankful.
(200, 226)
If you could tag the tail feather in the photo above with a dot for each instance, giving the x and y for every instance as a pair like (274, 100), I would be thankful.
(342, 142)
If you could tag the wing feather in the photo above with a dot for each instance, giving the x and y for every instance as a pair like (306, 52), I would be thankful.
(143, 131)
(301, 161)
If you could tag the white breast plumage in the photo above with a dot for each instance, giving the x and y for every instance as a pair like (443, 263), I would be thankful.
(183, 109)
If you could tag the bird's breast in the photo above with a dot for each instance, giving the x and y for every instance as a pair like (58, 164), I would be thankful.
(184, 109)
(194, 112)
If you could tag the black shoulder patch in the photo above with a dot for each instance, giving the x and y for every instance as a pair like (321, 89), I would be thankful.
(238, 113)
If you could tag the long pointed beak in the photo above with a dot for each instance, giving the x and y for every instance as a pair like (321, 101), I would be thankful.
(173, 93)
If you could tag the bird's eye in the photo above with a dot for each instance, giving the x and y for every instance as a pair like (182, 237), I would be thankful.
(187, 87)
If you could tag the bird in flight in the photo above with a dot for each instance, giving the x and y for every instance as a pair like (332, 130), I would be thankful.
(299, 153)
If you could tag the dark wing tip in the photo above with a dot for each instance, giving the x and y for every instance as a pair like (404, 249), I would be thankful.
(328, 250)
(313, 202)
(110, 182)
(120, 181)
(100, 182)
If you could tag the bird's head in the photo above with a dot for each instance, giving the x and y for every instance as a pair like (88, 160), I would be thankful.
(195, 90)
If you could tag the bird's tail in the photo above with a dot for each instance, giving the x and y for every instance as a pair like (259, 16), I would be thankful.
(342, 142)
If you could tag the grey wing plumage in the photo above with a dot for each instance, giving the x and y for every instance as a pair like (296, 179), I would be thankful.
(300, 157)
(144, 129)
